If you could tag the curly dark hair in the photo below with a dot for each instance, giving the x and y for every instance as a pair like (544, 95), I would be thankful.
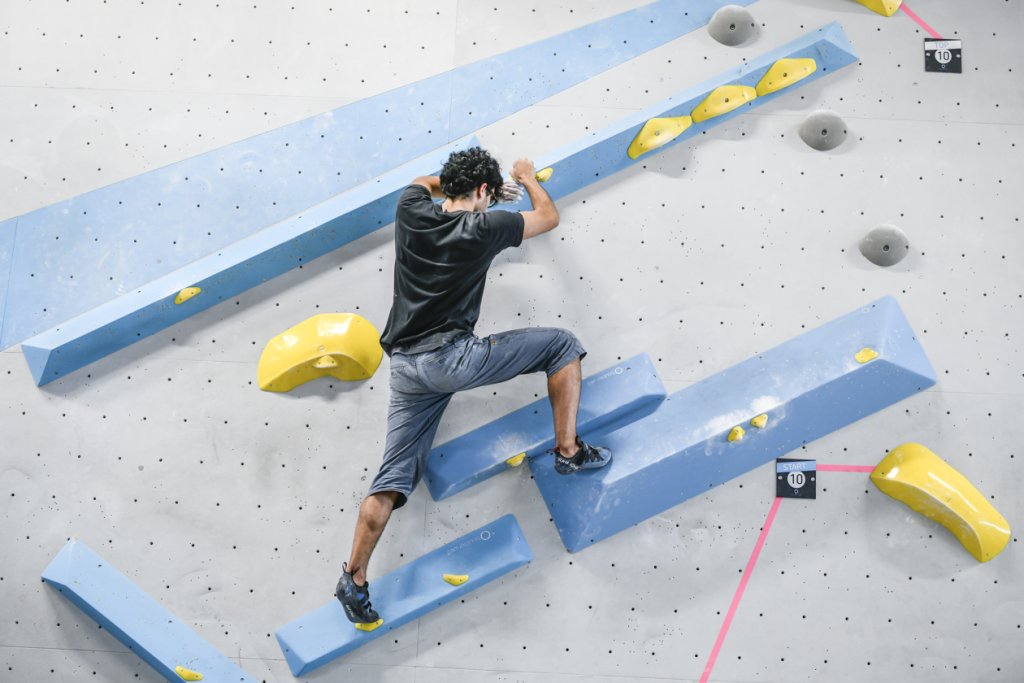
(467, 170)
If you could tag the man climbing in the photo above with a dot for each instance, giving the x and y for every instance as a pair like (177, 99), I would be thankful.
(442, 254)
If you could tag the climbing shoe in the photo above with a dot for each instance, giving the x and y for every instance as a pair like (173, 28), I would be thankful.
(355, 599)
(586, 458)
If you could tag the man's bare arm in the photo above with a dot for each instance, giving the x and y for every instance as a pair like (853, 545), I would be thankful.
(544, 216)
(432, 183)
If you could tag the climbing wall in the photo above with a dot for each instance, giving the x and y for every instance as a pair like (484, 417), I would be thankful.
(234, 508)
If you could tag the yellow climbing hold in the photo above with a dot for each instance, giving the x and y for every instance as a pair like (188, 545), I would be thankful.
(656, 133)
(886, 8)
(544, 174)
(785, 73)
(866, 354)
(186, 294)
(516, 460)
(456, 579)
(723, 100)
(372, 626)
(188, 674)
(345, 346)
(760, 421)
(914, 475)
(736, 434)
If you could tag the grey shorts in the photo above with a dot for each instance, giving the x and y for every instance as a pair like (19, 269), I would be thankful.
(422, 384)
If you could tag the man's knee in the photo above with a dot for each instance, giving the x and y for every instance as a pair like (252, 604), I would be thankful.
(565, 348)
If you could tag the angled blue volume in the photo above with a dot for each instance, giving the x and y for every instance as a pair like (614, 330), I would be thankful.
(611, 398)
(602, 153)
(80, 253)
(807, 387)
(136, 619)
(406, 593)
(246, 263)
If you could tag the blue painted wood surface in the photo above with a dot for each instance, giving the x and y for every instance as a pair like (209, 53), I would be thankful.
(613, 397)
(134, 618)
(74, 255)
(230, 271)
(406, 593)
(809, 386)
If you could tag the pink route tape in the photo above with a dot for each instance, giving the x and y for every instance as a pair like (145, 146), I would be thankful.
(753, 561)
(739, 591)
(920, 22)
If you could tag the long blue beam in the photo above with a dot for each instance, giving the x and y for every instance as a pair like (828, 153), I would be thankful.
(74, 255)
(246, 263)
(402, 595)
(738, 419)
(136, 619)
(605, 152)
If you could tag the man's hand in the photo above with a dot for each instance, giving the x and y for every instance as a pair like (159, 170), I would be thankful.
(522, 170)
(509, 192)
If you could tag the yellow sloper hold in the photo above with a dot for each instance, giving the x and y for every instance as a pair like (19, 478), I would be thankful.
(186, 294)
(723, 100)
(736, 434)
(914, 475)
(865, 354)
(187, 674)
(657, 133)
(372, 626)
(516, 460)
(760, 421)
(544, 174)
(345, 346)
(785, 73)
(456, 579)
(886, 8)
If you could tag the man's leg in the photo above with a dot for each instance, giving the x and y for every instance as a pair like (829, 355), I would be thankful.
(564, 393)
(374, 514)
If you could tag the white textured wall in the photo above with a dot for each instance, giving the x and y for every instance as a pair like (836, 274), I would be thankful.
(235, 507)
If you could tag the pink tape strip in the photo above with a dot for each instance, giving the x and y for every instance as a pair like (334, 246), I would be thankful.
(739, 591)
(845, 468)
(928, 29)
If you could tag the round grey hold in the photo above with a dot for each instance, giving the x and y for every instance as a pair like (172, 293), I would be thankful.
(823, 130)
(885, 245)
(731, 25)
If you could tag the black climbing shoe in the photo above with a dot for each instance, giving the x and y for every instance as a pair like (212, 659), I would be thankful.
(355, 599)
(586, 458)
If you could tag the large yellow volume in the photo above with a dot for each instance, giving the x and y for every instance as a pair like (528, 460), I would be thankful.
(657, 132)
(343, 345)
(886, 8)
(723, 100)
(914, 475)
(785, 73)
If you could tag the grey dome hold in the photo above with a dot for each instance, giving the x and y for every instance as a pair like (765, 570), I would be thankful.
(885, 245)
(823, 130)
(731, 25)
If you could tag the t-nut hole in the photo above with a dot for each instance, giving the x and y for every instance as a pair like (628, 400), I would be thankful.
(885, 247)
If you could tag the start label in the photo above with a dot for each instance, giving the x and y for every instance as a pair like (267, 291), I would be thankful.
(795, 478)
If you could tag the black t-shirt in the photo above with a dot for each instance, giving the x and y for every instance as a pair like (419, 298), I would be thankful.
(441, 262)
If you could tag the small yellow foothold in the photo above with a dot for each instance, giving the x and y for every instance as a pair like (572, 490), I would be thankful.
(760, 421)
(370, 626)
(656, 133)
(736, 434)
(866, 354)
(186, 294)
(723, 100)
(456, 579)
(188, 674)
(544, 174)
(785, 73)
(516, 460)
